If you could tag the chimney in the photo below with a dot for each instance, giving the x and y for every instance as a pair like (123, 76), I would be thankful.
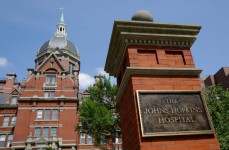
(10, 82)
(30, 72)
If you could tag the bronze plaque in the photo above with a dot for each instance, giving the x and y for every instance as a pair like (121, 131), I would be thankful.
(165, 113)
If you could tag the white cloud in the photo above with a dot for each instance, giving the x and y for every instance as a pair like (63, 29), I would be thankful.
(85, 81)
(101, 71)
(3, 62)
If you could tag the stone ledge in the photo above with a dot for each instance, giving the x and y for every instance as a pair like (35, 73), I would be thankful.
(153, 71)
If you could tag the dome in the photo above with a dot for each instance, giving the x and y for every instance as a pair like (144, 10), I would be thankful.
(59, 43)
(142, 15)
(59, 40)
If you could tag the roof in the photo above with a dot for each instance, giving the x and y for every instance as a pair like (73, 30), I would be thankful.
(4, 98)
(59, 43)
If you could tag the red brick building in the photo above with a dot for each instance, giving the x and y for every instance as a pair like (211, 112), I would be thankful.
(45, 104)
(9, 93)
(220, 77)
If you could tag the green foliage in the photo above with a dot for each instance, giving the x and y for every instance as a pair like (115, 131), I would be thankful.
(97, 112)
(49, 148)
(218, 103)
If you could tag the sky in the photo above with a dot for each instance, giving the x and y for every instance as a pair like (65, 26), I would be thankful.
(26, 24)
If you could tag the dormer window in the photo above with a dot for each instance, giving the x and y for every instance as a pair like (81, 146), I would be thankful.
(50, 79)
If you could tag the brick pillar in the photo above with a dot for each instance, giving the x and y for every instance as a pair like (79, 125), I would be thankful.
(155, 59)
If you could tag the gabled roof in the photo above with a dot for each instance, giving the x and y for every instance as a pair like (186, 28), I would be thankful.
(15, 92)
(86, 92)
(52, 55)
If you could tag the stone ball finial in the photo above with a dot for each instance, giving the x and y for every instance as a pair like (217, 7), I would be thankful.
(142, 15)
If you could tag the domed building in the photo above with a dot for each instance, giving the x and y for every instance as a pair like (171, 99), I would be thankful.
(61, 47)
(47, 106)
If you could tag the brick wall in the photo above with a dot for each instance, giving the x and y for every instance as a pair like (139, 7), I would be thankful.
(157, 57)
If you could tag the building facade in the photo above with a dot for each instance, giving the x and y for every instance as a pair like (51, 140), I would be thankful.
(41, 111)
(45, 104)
(220, 77)
(9, 93)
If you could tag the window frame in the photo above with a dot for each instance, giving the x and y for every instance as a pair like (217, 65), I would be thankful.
(50, 79)
(82, 138)
(53, 134)
(46, 94)
(10, 139)
(47, 116)
(47, 133)
(37, 132)
(39, 115)
(13, 120)
(14, 100)
(89, 138)
(2, 140)
(5, 122)
(51, 94)
(55, 114)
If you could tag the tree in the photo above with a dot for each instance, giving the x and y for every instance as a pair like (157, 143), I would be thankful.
(218, 103)
(99, 113)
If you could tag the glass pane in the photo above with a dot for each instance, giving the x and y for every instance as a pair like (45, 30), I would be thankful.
(55, 114)
(46, 94)
(89, 139)
(37, 132)
(50, 79)
(39, 114)
(45, 132)
(2, 140)
(13, 121)
(14, 100)
(52, 93)
(47, 114)
(53, 131)
(6, 121)
(82, 138)
(10, 139)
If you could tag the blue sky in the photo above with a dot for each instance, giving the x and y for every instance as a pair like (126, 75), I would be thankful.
(26, 24)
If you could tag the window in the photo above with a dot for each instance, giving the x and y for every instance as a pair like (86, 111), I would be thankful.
(10, 139)
(14, 100)
(2, 140)
(116, 140)
(55, 114)
(47, 114)
(89, 139)
(6, 121)
(71, 68)
(52, 93)
(45, 132)
(46, 94)
(39, 114)
(82, 138)
(13, 120)
(1, 89)
(49, 94)
(37, 132)
(50, 79)
(53, 131)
